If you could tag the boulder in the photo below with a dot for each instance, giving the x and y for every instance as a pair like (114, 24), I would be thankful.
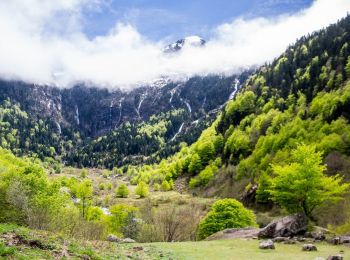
(345, 240)
(335, 257)
(128, 240)
(285, 227)
(280, 239)
(113, 238)
(267, 244)
(335, 241)
(309, 247)
(317, 235)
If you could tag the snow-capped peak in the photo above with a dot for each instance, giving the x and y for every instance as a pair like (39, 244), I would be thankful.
(190, 41)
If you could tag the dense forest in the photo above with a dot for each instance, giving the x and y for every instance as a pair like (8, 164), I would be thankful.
(91, 127)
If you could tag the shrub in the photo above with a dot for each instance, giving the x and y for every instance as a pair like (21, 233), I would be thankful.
(122, 191)
(83, 173)
(165, 186)
(142, 189)
(101, 186)
(225, 213)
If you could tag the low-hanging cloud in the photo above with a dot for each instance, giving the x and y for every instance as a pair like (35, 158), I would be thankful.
(42, 42)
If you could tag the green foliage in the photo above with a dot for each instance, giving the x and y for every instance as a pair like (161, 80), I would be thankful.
(225, 213)
(120, 216)
(6, 251)
(122, 191)
(165, 186)
(84, 191)
(301, 186)
(347, 67)
(262, 193)
(195, 164)
(142, 189)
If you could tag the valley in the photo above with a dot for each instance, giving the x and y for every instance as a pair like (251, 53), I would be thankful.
(250, 163)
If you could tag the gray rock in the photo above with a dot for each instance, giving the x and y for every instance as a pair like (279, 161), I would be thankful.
(309, 247)
(113, 238)
(285, 227)
(267, 244)
(345, 240)
(335, 241)
(335, 257)
(128, 240)
(317, 235)
(280, 239)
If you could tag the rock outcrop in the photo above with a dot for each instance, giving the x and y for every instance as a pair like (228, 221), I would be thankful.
(285, 227)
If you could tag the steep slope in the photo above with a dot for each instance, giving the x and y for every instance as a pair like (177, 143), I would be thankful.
(73, 124)
(303, 96)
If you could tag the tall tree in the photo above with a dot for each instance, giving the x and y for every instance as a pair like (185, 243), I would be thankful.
(302, 185)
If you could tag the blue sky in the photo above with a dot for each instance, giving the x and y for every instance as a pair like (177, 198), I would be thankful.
(120, 43)
(169, 19)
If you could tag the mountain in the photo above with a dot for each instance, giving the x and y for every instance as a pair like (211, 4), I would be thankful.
(302, 97)
(188, 42)
(73, 124)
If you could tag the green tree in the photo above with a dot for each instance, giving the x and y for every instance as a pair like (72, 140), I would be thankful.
(302, 185)
(84, 192)
(347, 68)
(196, 164)
(122, 191)
(262, 193)
(121, 215)
(142, 189)
(225, 213)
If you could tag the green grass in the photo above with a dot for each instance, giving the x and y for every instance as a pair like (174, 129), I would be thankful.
(239, 249)
(244, 250)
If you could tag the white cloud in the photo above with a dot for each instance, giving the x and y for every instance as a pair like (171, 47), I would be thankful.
(42, 42)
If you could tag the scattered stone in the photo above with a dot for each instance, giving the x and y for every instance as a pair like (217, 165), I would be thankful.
(335, 241)
(318, 236)
(137, 248)
(335, 257)
(309, 247)
(267, 244)
(113, 238)
(280, 239)
(345, 240)
(128, 240)
(285, 227)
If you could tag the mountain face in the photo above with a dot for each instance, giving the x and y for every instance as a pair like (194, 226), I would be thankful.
(78, 117)
(301, 99)
(188, 42)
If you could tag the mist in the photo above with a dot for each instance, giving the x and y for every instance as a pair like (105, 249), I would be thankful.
(42, 42)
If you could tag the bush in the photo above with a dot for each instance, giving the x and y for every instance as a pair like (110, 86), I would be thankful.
(122, 191)
(142, 189)
(225, 213)
(165, 186)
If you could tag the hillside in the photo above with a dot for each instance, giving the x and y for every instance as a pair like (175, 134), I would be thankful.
(301, 97)
(72, 125)
(255, 165)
